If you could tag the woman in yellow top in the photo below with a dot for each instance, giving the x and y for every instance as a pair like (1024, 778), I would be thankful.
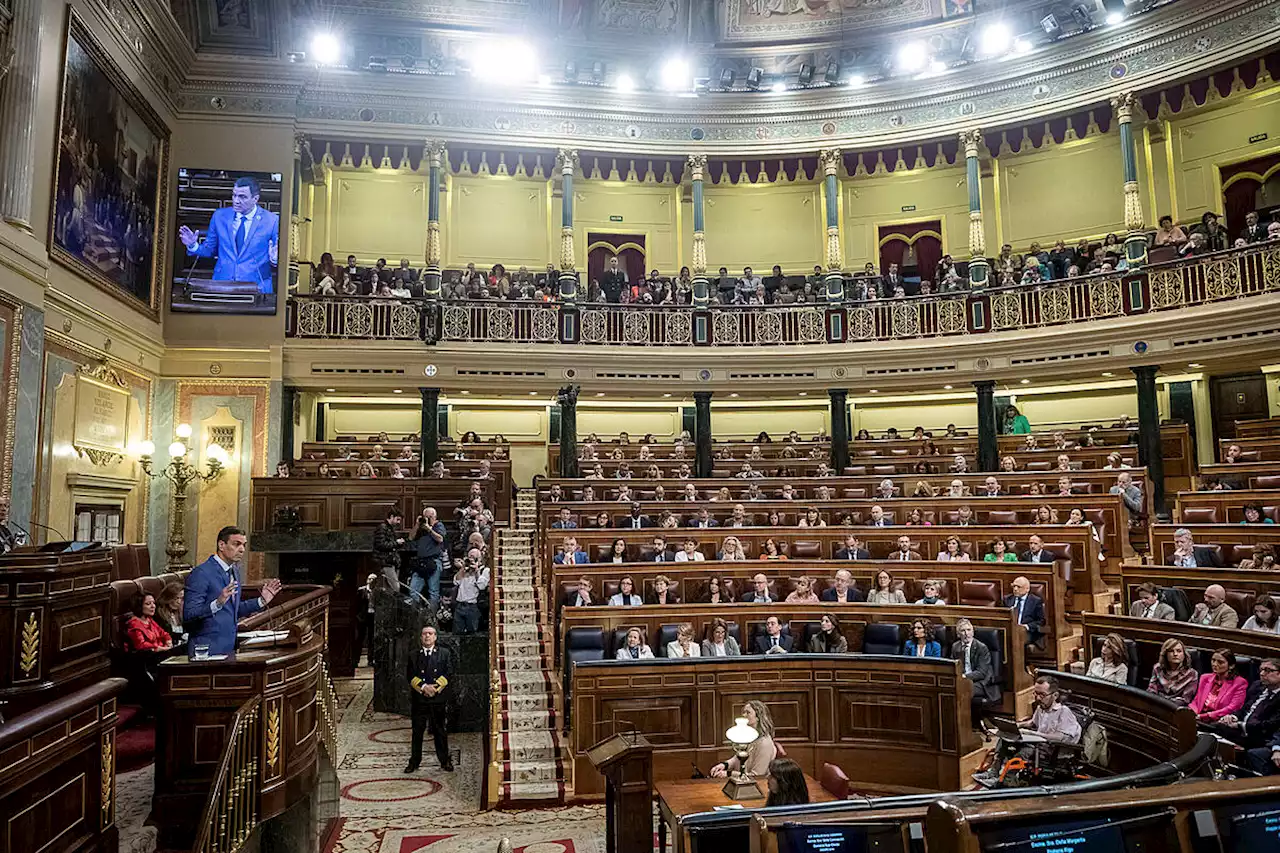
(760, 751)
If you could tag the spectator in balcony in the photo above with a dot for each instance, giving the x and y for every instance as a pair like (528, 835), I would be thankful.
(1060, 259)
(327, 276)
(784, 295)
(891, 282)
(1169, 233)
(1031, 272)
(745, 287)
(1215, 236)
(1273, 231)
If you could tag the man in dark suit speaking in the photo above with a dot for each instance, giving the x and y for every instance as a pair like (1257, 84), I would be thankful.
(212, 604)
(244, 239)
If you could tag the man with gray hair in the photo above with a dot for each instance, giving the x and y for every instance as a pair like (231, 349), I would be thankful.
(1214, 610)
(1188, 555)
(975, 658)
(1129, 493)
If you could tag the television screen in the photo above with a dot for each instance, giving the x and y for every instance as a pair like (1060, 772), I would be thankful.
(1152, 833)
(226, 247)
(1251, 829)
(839, 838)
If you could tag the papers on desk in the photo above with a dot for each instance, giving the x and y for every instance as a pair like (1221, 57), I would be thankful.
(729, 808)
(1028, 736)
(252, 639)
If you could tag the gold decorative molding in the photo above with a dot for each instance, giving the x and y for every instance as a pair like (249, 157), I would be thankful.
(699, 253)
(11, 400)
(1133, 216)
(107, 781)
(833, 248)
(830, 159)
(273, 737)
(1122, 105)
(433, 243)
(971, 142)
(977, 234)
(567, 262)
(30, 644)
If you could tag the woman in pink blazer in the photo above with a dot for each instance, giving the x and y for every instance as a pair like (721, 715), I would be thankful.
(1221, 692)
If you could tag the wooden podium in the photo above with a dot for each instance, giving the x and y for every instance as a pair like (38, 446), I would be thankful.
(626, 762)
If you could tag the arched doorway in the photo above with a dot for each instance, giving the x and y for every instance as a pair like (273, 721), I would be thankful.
(916, 247)
(628, 248)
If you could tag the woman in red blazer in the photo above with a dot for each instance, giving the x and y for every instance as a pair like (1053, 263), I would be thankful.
(145, 633)
(1221, 692)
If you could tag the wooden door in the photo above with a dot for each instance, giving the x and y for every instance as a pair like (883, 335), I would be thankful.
(1236, 398)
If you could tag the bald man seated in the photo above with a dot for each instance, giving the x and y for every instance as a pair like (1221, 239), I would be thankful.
(1214, 610)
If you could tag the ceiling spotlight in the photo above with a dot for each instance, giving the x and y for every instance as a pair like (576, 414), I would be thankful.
(296, 56)
(857, 80)
(325, 49)
(1107, 373)
(754, 76)
(597, 72)
(874, 391)
(734, 394)
(832, 74)
(804, 393)
(1021, 45)
(1083, 16)
(624, 83)
(806, 74)
(571, 72)
(668, 394)
(778, 87)
(509, 61)
(727, 77)
(1114, 18)
(676, 74)
(1049, 23)
(330, 390)
(1026, 381)
(1195, 365)
(996, 39)
(912, 57)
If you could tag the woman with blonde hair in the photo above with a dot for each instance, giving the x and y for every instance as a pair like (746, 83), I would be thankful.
(924, 489)
(1174, 678)
(760, 752)
(802, 593)
(1112, 662)
(635, 647)
(731, 550)
(683, 645)
(366, 472)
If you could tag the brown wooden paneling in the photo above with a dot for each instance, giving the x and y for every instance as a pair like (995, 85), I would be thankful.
(1236, 398)
(355, 504)
(1242, 475)
(1229, 505)
(1225, 536)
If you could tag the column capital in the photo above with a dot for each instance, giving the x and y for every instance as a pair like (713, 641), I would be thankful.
(429, 392)
(830, 159)
(1122, 105)
(702, 396)
(434, 150)
(985, 386)
(299, 141)
(1146, 371)
(838, 393)
(697, 166)
(971, 141)
(567, 160)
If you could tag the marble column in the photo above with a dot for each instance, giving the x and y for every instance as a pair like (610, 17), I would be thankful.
(567, 399)
(1135, 244)
(21, 480)
(429, 430)
(830, 160)
(702, 433)
(288, 411)
(988, 443)
(1149, 452)
(701, 287)
(568, 160)
(18, 93)
(979, 268)
(434, 152)
(839, 429)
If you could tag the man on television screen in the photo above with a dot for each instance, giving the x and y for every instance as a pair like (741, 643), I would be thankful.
(243, 239)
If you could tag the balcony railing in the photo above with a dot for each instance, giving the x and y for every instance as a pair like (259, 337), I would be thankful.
(1218, 277)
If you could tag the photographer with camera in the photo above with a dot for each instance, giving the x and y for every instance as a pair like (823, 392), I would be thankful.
(428, 566)
(475, 518)
(469, 583)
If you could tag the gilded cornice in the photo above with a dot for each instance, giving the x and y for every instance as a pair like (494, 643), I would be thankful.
(1172, 43)
(148, 35)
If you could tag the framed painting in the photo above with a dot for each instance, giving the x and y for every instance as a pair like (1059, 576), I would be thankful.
(107, 216)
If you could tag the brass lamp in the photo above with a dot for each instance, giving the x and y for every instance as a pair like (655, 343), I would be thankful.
(740, 786)
(181, 474)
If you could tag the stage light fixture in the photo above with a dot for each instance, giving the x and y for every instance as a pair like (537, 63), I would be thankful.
(1083, 16)
(727, 77)
(832, 74)
(806, 74)
(325, 48)
(754, 76)
(624, 83)
(377, 63)
(571, 72)
(912, 57)
(1049, 23)
(857, 80)
(778, 87)
(996, 39)
(544, 80)
(508, 61)
(676, 74)
(597, 72)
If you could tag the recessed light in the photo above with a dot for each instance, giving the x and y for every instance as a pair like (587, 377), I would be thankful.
(666, 395)
(331, 390)
(599, 393)
(1107, 373)
(1026, 381)
(466, 392)
(734, 394)
(1195, 364)
(874, 391)
(946, 387)
(533, 393)
(804, 393)
(396, 391)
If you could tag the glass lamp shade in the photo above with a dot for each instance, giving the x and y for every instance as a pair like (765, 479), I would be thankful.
(177, 450)
(740, 734)
(215, 452)
(183, 431)
(147, 448)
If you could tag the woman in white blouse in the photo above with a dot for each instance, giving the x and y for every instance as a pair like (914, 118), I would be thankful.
(635, 649)
(721, 645)
(1264, 618)
(731, 550)
(1111, 664)
(683, 645)
(951, 550)
(690, 554)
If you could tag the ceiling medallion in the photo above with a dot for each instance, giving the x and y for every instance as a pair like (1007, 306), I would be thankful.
(1040, 91)
(502, 123)
(982, 363)
(968, 108)
(897, 121)
(828, 128)
(839, 372)
(704, 375)
(697, 133)
(1119, 70)
(215, 368)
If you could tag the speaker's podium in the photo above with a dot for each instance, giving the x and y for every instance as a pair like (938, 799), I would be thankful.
(626, 762)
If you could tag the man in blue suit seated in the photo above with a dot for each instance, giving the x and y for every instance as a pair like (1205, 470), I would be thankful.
(212, 604)
(244, 239)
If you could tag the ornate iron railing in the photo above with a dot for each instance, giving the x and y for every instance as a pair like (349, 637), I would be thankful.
(231, 812)
(327, 702)
(1206, 279)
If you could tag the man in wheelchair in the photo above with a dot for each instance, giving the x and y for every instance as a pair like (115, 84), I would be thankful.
(1041, 750)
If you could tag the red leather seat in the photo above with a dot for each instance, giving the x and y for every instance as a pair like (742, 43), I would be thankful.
(1268, 481)
(1002, 516)
(862, 493)
(1241, 601)
(834, 781)
(1200, 515)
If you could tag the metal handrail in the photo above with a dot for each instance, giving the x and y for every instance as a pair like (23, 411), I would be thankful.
(231, 812)
(328, 705)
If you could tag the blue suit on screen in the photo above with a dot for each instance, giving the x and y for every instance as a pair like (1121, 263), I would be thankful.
(218, 629)
(252, 261)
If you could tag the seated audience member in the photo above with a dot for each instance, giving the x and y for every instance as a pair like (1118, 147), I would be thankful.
(1263, 558)
(1169, 234)
(635, 648)
(1173, 677)
(883, 591)
(565, 521)
(1028, 606)
(1044, 514)
(772, 641)
(1064, 463)
(957, 489)
(976, 660)
(1253, 515)
(1051, 720)
(1129, 493)
(1264, 618)
(853, 549)
(760, 752)
(663, 593)
(1115, 462)
(690, 553)
(437, 471)
(878, 518)
(731, 550)
(144, 631)
(885, 490)
(703, 519)
(720, 644)
(569, 553)
(771, 551)
(904, 552)
(842, 590)
(618, 552)
(738, 517)
(1036, 552)
(932, 591)
(169, 611)
(722, 495)
(1008, 464)
(1214, 610)
(951, 551)
(1064, 487)
(787, 785)
(1221, 692)
(829, 640)
(788, 492)
(660, 552)
(282, 470)
(581, 597)
(1112, 662)
(959, 465)
(1232, 454)
(803, 592)
(626, 594)
(748, 473)
(366, 471)
(990, 488)
(1256, 729)
(624, 494)
(759, 592)
(923, 489)
(823, 493)
(915, 518)
(602, 520)
(635, 520)
(812, 518)
(920, 643)
(964, 516)
(690, 493)
(683, 645)
(1188, 554)
(998, 552)
(1149, 606)
(753, 492)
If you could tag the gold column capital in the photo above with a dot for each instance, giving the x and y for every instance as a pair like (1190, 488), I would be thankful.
(1122, 105)
(299, 141)
(697, 166)
(971, 141)
(567, 159)
(830, 159)
(435, 149)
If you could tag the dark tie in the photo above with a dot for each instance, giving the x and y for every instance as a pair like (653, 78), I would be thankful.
(635, 524)
(1266, 694)
(241, 231)
(635, 654)
(1020, 600)
(773, 642)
